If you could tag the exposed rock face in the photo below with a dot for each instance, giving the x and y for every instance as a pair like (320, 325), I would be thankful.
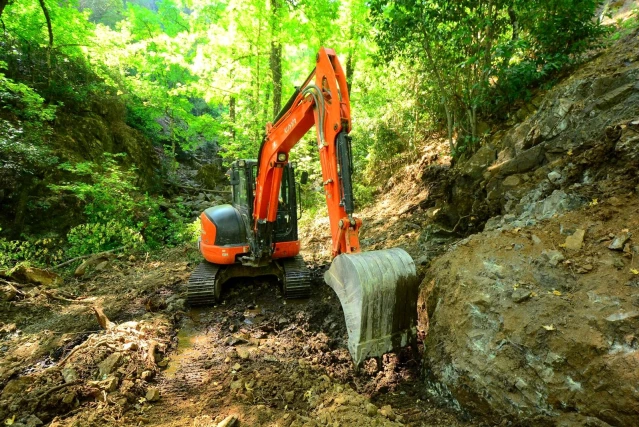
(78, 135)
(537, 335)
(584, 129)
(535, 320)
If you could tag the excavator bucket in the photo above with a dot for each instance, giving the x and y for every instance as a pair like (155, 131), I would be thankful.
(378, 292)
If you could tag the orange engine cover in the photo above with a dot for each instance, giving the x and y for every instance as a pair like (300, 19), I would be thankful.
(218, 251)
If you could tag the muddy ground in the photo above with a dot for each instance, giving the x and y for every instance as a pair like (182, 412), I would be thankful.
(254, 356)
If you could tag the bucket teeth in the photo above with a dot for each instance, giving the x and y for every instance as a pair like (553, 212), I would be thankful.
(378, 292)
(203, 287)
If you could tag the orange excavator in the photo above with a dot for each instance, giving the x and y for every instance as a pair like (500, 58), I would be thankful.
(257, 234)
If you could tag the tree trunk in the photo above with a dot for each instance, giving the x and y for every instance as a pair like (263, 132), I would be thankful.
(3, 4)
(275, 59)
(349, 71)
(349, 59)
(50, 30)
(449, 121)
(232, 116)
(276, 72)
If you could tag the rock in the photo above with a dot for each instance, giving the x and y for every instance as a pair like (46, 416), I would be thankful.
(237, 367)
(554, 177)
(237, 384)
(388, 412)
(109, 364)
(15, 387)
(228, 421)
(147, 375)
(289, 396)
(152, 394)
(508, 218)
(520, 384)
(494, 271)
(109, 385)
(371, 410)
(576, 241)
(511, 181)
(536, 240)
(102, 265)
(493, 223)
(33, 421)
(520, 295)
(477, 164)
(617, 317)
(243, 352)
(553, 257)
(69, 398)
(69, 374)
(619, 241)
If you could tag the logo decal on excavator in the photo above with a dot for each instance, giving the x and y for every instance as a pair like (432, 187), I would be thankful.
(288, 127)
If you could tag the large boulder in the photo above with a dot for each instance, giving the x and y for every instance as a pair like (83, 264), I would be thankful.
(520, 327)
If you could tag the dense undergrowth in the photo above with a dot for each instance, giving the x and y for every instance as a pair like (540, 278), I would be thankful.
(116, 215)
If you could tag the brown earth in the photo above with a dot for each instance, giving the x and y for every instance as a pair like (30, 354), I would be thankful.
(256, 356)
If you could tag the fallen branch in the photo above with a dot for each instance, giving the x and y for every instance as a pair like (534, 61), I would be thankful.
(87, 256)
(150, 358)
(103, 320)
(85, 344)
(56, 388)
(53, 389)
(53, 295)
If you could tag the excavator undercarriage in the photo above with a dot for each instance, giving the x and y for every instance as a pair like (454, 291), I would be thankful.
(205, 284)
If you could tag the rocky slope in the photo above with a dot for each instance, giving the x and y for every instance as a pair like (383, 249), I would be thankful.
(534, 320)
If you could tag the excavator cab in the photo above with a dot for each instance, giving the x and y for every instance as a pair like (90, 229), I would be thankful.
(243, 175)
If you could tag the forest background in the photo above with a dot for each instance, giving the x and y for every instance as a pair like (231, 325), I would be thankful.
(192, 74)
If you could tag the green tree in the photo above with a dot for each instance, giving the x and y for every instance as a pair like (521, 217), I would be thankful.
(464, 47)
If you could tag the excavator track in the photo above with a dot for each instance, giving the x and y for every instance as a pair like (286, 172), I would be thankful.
(202, 288)
(297, 278)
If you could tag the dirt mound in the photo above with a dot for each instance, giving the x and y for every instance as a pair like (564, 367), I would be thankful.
(539, 324)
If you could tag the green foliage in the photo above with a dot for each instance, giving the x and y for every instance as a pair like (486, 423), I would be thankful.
(480, 56)
(22, 146)
(41, 251)
(116, 214)
(92, 238)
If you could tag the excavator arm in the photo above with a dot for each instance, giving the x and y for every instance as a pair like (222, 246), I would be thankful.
(321, 101)
(377, 289)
